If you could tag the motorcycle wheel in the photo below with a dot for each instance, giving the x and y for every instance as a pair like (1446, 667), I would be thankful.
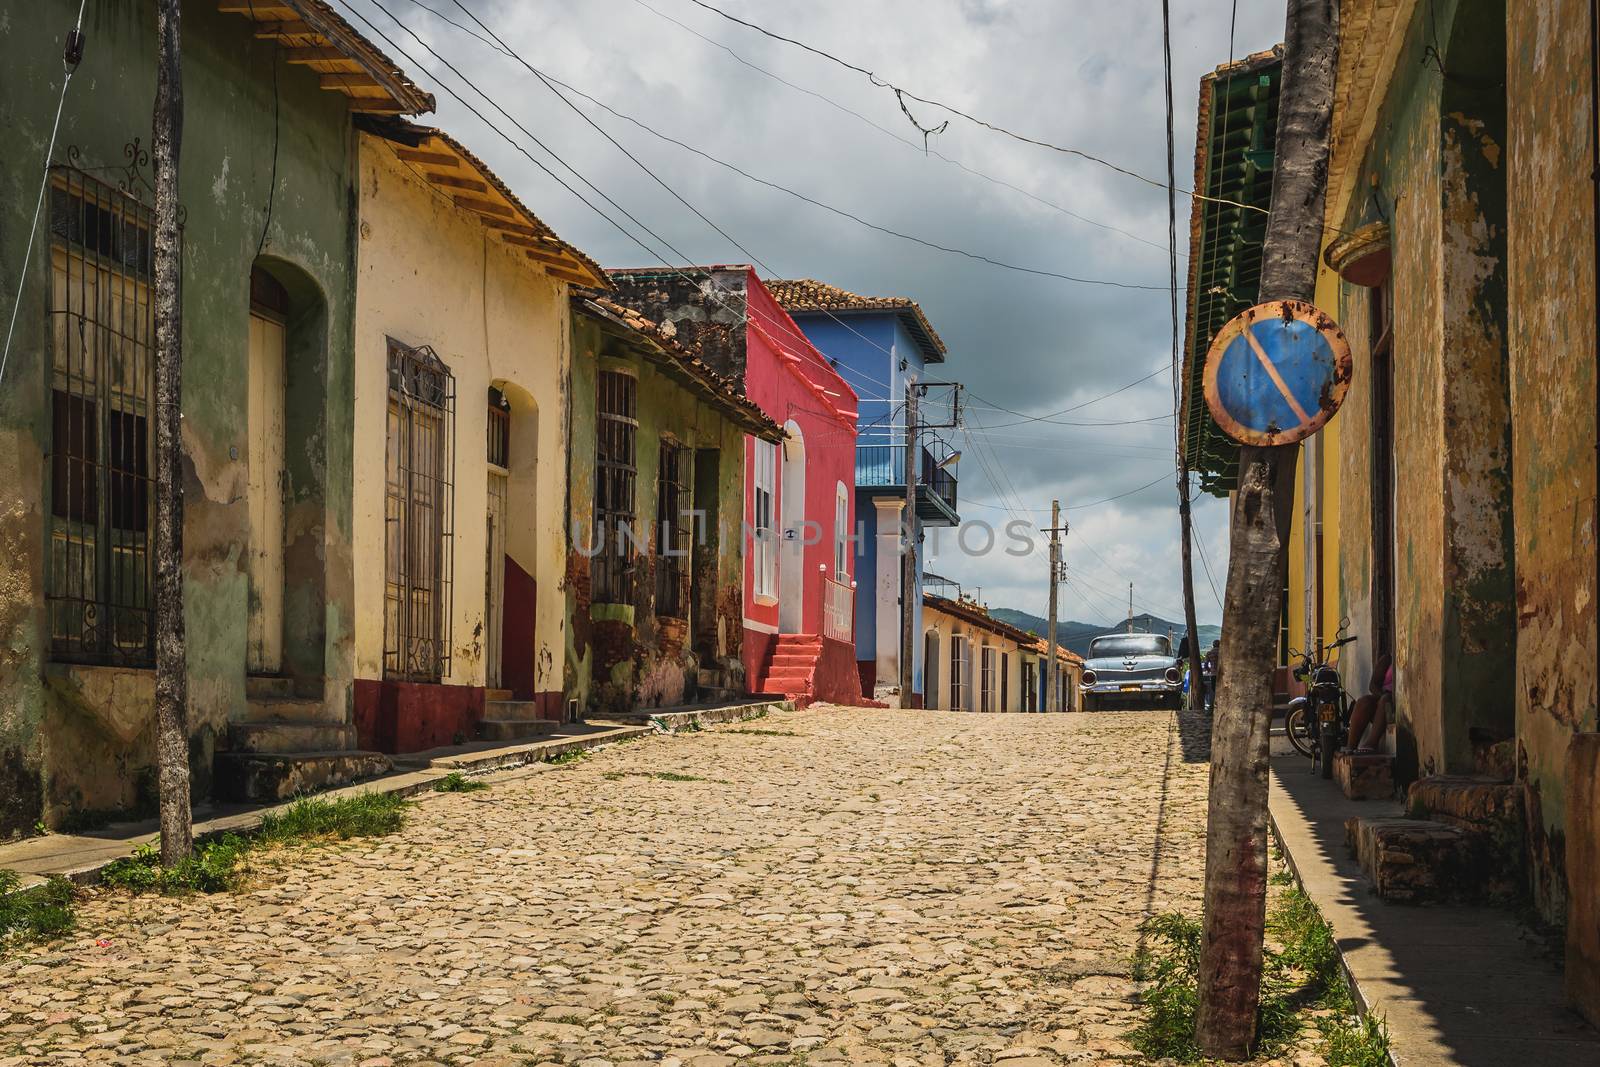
(1329, 745)
(1294, 724)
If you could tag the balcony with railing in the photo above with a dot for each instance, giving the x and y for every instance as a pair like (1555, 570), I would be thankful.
(882, 470)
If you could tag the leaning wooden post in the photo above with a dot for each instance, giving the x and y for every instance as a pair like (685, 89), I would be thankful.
(1236, 830)
(172, 720)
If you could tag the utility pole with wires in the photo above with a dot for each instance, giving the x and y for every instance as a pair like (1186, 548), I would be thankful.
(1057, 576)
(1236, 824)
(172, 719)
(1130, 607)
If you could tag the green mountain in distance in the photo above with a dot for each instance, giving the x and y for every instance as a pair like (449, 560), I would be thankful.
(1077, 635)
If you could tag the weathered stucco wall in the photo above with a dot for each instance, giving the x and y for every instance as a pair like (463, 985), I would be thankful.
(86, 750)
(430, 274)
(621, 656)
(1552, 356)
(1435, 172)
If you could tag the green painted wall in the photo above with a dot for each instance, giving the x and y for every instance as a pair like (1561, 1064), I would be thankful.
(51, 756)
(644, 669)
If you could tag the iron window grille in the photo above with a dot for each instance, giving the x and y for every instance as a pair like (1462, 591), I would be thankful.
(616, 470)
(986, 679)
(958, 674)
(98, 588)
(419, 515)
(675, 532)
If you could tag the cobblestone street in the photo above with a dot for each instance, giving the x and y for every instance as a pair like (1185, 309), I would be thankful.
(829, 886)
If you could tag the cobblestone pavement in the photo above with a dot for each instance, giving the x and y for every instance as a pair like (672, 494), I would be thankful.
(834, 886)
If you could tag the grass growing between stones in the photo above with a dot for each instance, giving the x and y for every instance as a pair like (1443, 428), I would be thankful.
(576, 755)
(663, 776)
(36, 914)
(456, 782)
(219, 864)
(1302, 985)
(765, 733)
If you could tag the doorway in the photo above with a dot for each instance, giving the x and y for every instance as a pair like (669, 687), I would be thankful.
(930, 670)
(264, 462)
(792, 553)
(1383, 637)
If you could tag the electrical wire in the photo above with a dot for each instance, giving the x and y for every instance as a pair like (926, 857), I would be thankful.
(518, 147)
(69, 68)
(905, 94)
(921, 149)
(1026, 419)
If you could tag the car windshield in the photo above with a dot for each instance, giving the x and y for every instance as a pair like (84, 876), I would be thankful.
(1122, 645)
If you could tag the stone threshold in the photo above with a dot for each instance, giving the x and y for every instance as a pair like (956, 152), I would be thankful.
(1455, 984)
(81, 857)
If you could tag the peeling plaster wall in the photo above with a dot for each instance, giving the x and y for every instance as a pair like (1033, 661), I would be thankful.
(1552, 347)
(73, 746)
(431, 275)
(1435, 168)
(622, 656)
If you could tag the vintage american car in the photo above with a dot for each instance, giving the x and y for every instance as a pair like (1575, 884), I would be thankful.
(1131, 669)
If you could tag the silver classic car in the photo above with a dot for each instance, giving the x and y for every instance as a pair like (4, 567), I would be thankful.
(1131, 669)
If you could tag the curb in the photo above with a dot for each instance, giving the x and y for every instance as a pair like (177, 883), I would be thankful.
(1362, 1001)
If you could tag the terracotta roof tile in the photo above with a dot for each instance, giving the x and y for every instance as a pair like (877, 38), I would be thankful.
(808, 294)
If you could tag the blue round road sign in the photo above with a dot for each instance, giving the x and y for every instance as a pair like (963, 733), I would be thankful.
(1276, 373)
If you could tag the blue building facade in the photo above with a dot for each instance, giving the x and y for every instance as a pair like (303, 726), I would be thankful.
(882, 346)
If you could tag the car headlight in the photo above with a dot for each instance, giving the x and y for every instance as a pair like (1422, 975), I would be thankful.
(1174, 676)
(1087, 678)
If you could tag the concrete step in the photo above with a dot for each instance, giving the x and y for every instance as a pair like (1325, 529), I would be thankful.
(1421, 861)
(785, 657)
(1415, 861)
(267, 685)
(787, 641)
(1369, 776)
(275, 709)
(514, 729)
(1490, 809)
(280, 737)
(497, 694)
(272, 777)
(512, 710)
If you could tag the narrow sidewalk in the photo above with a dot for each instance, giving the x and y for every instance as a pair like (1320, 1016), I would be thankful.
(1457, 985)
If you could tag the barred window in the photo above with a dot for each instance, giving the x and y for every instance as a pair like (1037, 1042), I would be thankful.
(98, 588)
(986, 679)
(616, 468)
(674, 527)
(419, 519)
(499, 429)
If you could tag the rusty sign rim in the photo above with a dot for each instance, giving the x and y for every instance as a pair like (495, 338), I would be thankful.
(1288, 311)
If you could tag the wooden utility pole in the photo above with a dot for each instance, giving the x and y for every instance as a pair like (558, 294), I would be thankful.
(908, 560)
(1055, 581)
(172, 719)
(1130, 607)
(1236, 830)
(1197, 695)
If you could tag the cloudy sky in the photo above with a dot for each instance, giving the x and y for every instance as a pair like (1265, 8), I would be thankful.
(1073, 72)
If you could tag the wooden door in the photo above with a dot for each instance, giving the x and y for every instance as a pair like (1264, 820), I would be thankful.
(264, 461)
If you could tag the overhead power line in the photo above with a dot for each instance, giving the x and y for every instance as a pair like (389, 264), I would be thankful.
(921, 149)
(903, 94)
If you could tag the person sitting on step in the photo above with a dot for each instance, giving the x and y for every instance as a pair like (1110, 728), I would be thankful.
(1369, 719)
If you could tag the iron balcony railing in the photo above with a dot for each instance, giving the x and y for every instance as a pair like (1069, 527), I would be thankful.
(885, 465)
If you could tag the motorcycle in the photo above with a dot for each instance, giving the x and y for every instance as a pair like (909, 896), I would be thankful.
(1316, 721)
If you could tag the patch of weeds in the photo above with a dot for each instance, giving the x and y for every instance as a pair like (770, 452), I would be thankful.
(666, 997)
(35, 914)
(1364, 1043)
(1300, 977)
(216, 865)
(213, 867)
(369, 814)
(1172, 967)
(765, 733)
(690, 727)
(571, 1020)
(456, 782)
(571, 756)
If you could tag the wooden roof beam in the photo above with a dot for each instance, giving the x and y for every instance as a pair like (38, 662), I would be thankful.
(485, 207)
(317, 55)
(286, 28)
(257, 9)
(426, 158)
(472, 185)
(352, 84)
